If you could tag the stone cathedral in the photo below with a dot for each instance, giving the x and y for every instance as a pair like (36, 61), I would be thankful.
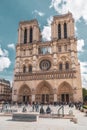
(47, 72)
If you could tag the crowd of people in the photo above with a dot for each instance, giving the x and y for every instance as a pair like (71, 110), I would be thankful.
(36, 107)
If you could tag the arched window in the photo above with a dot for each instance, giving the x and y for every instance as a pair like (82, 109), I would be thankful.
(65, 30)
(25, 36)
(30, 68)
(67, 66)
(60, 66)
(24, 69)
(31, 35)
(59, 31)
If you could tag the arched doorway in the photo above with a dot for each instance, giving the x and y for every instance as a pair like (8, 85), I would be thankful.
(65, 93)
(24, 95)
(44, 93)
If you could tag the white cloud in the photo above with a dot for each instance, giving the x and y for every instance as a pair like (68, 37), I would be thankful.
(49, 20)
(80, 45)
(84, 73)
(4, 63)
(4, 59)
(83, 67)
(3, 52)
(46, 32)
(12, 46)
(78, 8)
(38, 13)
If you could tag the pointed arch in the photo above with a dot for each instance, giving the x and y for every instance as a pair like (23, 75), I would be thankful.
(24, 89)
(60, 66)
(65, 92)
(59, 31)
(24, 94)
(30, 69)
(65, 30)
(67, 66)
(43, 84)
(31, 34)
(24, 69)
(44, 93)
(25, 36)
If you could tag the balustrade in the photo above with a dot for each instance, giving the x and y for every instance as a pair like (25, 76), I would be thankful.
(45, 75)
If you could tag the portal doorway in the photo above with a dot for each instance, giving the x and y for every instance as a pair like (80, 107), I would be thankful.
(65, 98)
(44, 93)
(25, 99)
(65, 93)
(24, 94)
(45, 98)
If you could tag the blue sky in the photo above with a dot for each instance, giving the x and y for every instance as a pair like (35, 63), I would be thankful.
(14, 11)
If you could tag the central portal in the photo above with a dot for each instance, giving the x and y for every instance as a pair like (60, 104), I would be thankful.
(44, 93)
(45, 98)
(25, 99)
(65, 98)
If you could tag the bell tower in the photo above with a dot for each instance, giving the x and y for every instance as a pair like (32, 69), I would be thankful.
(62, 27)
(28, 32)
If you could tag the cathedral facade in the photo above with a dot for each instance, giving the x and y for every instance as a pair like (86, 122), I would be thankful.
(47, 72)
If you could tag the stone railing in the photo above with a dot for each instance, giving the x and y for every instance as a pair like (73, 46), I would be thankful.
(45, 75)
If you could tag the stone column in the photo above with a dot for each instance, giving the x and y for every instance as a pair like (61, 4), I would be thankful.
(52, 31)
(55, 31)
(68, 29)
(54, 48)
(63, 66)
(35, 33)
(22, 35)
(55, 97)
(28, 35)
(19, 35)
(72, 28)
(33, 97)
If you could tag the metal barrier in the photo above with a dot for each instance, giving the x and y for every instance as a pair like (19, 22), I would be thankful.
(61, 108)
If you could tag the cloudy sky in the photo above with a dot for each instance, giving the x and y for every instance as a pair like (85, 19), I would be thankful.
(14, 11)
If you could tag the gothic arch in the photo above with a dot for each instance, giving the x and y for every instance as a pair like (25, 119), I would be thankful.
(24, 69)
(59, 31)
(31, 35)
(25, 36)
(24, 94)
(65, 92)
(64, 60)
(42, 85)
(30, 68)
(44, 93)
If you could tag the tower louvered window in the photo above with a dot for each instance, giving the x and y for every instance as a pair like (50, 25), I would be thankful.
(31, 35)
(25, 36)
(59, 31)
(65, 30)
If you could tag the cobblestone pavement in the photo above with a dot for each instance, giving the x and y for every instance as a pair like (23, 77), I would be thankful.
(6, 122)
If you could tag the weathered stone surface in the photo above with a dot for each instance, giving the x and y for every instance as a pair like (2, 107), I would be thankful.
(24, 117)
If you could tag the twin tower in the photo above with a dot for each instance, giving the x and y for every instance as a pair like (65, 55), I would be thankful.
(61, 28)
(47, 72)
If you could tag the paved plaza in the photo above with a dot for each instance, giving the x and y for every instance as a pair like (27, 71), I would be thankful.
(6, 122)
